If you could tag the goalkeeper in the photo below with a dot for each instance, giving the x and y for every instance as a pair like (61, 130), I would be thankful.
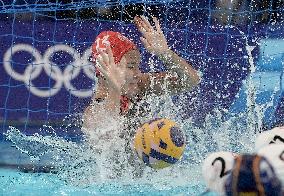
(121, 85)
(122, 89)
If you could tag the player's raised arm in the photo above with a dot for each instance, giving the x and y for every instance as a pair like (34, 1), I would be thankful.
(107, 97)
(182, 76)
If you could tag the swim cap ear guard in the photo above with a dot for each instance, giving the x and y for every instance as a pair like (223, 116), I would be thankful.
(253, 175)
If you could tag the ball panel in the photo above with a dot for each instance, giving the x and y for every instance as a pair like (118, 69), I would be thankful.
(163, 145)
(160, 156)
(145, 158)
(177, 136)
(172, 149)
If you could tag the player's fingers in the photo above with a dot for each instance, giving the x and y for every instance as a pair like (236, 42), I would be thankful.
(104, 57)
(137, 21)
(146, 44)
(141, 25)
(149, 37)
(122, 64)
(141, 29)
(101, 64)
(146, 27)
(105, 72)
(157, 25)
(102, 71)
(147, 23)
(110, 55)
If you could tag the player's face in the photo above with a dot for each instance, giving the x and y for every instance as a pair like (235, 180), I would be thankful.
(133, 73)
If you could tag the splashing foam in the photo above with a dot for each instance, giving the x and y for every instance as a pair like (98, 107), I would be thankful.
(101, 161)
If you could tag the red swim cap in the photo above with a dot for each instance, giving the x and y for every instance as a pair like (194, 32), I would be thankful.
(118, 43)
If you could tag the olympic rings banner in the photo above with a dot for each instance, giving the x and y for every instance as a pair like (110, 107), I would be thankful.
(43, 63)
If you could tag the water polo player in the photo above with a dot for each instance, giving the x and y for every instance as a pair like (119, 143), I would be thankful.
(121, 84)
(122, 87)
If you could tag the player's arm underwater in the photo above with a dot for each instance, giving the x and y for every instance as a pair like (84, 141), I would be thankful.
(181, 76)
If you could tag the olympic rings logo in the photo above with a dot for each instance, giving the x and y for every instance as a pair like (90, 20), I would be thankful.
(43, 63)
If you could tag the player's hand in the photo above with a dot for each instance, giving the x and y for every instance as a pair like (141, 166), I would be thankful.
(114, 73)
(152, 38)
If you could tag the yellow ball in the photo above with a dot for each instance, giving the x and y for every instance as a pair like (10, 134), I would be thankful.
(159, 143)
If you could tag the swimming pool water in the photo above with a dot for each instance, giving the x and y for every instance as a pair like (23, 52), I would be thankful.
(13, 182)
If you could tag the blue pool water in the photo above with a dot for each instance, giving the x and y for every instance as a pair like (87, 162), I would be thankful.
(19, 183)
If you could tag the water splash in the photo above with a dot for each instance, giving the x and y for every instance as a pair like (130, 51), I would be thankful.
(104, 160)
